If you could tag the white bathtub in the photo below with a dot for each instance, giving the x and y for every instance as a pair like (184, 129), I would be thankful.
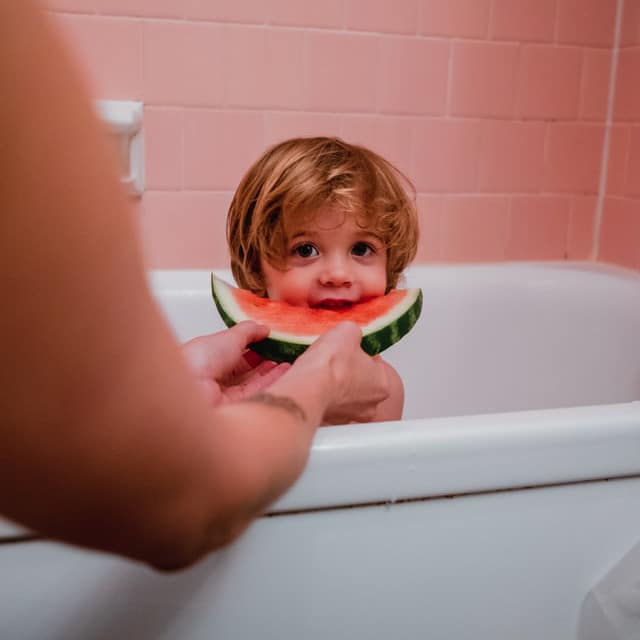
(510, 488)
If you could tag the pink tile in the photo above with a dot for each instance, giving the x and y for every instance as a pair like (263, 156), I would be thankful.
(182, 230)
(589, 22)
(389, 136)
(474, 228)
(483, 79)
(393, 140)
(630, 28)
(574, 158)
(430, 221)
(512, 156)
(360, 129)
(155, 9)
(283, 125)
(248, 11)
(620, 232)
(379, 15)
(581, 228)
(265, 67)
(627, 101)
(219, 147)
(343, 71)
(77, 6)
(109, 52)
(523, 20)
(325, 14)
(632, 186)
(445, 155)
(183, 64)
(538, 228)
(163, 141)
(413, 76)
(595, 84)
(549, 82)
(618, 160)
(455, 18)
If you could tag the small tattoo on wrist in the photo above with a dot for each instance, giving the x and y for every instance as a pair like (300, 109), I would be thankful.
(281, 402)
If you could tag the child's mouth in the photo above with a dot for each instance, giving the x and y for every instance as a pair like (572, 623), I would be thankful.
(333, 304)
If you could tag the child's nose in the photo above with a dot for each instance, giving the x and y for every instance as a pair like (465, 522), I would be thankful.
(336, 273)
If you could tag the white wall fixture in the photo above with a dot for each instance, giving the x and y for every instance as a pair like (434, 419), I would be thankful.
(124, 119)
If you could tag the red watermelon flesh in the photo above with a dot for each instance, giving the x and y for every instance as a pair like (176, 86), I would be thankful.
(384, 320)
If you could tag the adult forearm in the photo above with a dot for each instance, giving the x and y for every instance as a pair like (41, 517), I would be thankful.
(139, 464)
(253, 452)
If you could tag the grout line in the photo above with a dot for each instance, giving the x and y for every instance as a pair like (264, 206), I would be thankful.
(604, 166)
(377, 99)
(183, 134)
(627, 161)
(516, 83)
(265, 134)
(402, 115)
(436, 193)
(545, 153)
(489, 31)
(337, 30)
(573, 205)
(447, 100)
(508, 226)
(583, 84)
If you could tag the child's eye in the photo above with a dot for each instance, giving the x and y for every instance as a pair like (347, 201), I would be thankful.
(306, 250)
(362, 249)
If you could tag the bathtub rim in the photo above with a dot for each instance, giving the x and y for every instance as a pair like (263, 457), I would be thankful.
(429, 458)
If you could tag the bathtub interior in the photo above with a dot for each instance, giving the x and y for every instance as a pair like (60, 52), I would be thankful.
(495, 349)
(491, 338)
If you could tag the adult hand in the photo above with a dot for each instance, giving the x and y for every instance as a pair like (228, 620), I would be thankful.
(227, 370)
(360, 381)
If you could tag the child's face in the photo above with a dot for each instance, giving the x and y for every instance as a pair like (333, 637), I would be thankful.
(331, 262)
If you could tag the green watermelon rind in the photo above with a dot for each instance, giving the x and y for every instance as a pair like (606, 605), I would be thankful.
(287, 350)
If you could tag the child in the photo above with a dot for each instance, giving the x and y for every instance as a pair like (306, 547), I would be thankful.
(318, 222)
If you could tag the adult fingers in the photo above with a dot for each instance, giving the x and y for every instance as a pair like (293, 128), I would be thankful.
(248, 331)
(260, 368)
(252, 359)
(257, 380)
(346, 330)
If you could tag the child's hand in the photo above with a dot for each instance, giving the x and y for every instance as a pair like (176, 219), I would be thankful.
(227, 370)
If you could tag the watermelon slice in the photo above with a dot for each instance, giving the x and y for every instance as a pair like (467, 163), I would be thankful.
(383, 320)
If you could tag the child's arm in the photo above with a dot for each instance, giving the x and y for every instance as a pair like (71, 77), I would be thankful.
(391, 408)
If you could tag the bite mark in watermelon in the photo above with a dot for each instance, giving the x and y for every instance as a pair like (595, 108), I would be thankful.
(383, 320)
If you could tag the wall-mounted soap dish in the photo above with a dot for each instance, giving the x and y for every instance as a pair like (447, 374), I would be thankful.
(124, 119)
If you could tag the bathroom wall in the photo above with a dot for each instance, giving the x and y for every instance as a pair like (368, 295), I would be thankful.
(619, 236)
(496, 109)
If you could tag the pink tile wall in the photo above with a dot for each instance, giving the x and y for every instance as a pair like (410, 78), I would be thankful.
(496, 109)
(619, 237)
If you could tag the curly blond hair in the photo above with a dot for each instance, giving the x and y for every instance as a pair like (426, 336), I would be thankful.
(300, 176)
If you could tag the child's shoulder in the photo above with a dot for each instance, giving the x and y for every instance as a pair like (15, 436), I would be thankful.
(391, 408)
